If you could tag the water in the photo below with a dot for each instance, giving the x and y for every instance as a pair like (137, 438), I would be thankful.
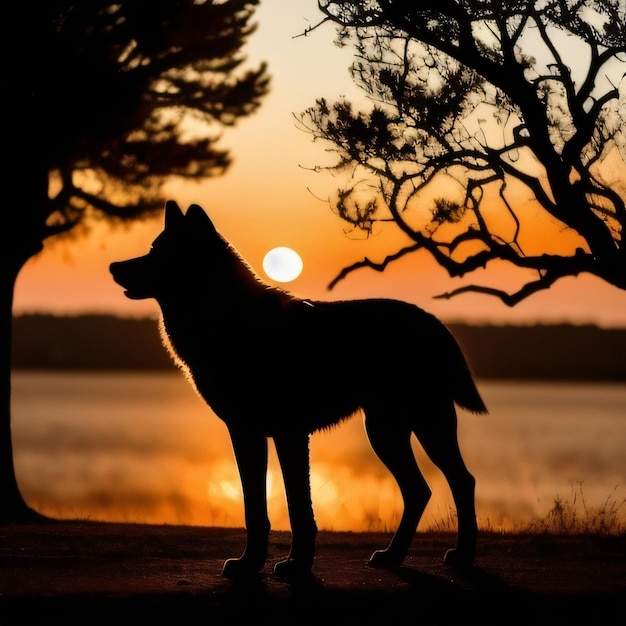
(142, 447)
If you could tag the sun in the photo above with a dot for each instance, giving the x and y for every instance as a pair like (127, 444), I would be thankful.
(282, 264)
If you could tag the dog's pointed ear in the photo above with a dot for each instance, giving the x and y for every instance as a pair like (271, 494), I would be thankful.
(173, 215)
(197, 217)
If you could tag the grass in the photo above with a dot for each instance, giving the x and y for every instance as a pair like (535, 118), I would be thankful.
(573, 516)
(568, 516)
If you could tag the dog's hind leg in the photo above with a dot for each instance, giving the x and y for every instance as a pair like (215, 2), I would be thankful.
(293, 454)
(438, 436)
(251, 455)
(391, 441)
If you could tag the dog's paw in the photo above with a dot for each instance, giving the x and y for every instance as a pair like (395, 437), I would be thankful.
(240, 568)
(385, 559)
(293, 570)
(458, 559)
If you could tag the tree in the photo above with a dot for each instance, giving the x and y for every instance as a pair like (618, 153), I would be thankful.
(103, 102)
(489, 120)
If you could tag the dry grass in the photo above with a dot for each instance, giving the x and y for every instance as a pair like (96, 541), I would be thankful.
(570, 515)
(573, 516)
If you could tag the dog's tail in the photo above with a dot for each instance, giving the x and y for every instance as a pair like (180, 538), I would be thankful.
(464, 390)
(467, 396)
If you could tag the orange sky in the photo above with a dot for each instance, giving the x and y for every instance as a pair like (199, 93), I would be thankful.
(270, 198)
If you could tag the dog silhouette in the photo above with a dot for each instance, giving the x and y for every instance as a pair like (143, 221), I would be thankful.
(234, 336)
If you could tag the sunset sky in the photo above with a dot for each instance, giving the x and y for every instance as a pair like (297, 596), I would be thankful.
(270, 197)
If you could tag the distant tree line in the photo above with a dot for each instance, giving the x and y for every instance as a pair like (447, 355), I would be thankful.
(545, 351)
(541, 352)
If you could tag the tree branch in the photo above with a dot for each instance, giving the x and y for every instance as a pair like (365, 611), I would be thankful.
(379, 267)
(510, 299)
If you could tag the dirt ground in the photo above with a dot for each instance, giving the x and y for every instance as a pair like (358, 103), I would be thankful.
(90, 572)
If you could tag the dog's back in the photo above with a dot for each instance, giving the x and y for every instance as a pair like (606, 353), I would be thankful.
(394, 350)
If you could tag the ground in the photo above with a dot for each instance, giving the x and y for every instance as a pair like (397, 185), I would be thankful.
(92, 572)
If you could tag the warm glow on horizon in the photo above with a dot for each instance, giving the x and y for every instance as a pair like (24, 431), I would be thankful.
(72, 277)
(172, 463)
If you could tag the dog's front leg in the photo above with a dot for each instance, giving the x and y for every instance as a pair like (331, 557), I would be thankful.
(251, 455)
(293, 455)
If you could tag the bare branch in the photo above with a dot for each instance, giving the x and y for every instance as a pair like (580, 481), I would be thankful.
(510, 299)
(379, 267)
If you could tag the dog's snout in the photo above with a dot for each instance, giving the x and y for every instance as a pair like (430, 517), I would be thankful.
(116, 269)
(120, 274)
(134, 276)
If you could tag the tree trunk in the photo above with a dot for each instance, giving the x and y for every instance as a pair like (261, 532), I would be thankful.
(13, 508)
(22, 232)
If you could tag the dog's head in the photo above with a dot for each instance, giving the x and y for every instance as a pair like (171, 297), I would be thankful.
(171, 256)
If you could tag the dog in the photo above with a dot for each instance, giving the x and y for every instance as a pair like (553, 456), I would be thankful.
(234, 336)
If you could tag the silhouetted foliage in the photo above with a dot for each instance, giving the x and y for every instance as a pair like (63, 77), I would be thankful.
(109, 99)
(489, 121)
(104, 101)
